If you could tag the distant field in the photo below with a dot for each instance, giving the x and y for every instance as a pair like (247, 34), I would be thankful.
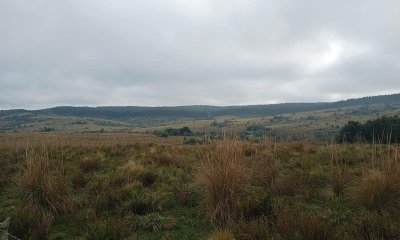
(318, 125)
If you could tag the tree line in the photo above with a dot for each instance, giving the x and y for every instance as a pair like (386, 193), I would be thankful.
(385, 129)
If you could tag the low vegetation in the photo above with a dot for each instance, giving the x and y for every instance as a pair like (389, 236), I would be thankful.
(70, 188)
(184, 131)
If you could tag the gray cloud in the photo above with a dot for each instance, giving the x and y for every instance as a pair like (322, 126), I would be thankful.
(181, 52)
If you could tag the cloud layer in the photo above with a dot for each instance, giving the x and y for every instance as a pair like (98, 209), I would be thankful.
(183, 52)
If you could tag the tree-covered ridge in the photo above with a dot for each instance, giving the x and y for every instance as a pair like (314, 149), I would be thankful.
(384, 129)
(203, 111)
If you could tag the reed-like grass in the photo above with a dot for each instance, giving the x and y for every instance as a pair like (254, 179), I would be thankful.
(222, 176)
(39, 183)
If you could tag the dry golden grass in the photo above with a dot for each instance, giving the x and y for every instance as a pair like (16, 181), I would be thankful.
(295, 223)
(82, 140)
(133, 168)
(338, 171)
(222, 176)
(266, 172)
(40, 184)
(221, 235)
(378, 188)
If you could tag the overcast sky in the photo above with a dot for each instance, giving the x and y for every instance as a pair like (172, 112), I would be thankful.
(184, 52)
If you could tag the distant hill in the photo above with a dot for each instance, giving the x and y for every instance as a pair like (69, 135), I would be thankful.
(201, 111)
(321, 120)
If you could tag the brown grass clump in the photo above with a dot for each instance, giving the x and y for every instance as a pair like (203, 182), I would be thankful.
(266, 172)
(31, 222)
(377, 190)
(252, 230)
(41, 185)
(133, 168)
(370, 225)
(221, 235)
(338, 172)
(163, 159)
(222, 177)
(338, 179)
(78, 179)
(313, 226)
(89, 164)
(108, 230)
(295, 223)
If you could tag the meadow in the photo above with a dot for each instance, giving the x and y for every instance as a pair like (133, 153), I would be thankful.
(127, 186)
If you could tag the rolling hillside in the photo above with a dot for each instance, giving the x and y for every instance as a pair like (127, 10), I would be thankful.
(285, 118)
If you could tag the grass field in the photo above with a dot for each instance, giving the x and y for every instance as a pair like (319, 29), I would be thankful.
(321, 125)
(127, 186)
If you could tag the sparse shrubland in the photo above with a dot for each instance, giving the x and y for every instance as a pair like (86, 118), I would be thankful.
(225, 189)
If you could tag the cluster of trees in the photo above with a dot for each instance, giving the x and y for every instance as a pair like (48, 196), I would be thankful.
(254, 131)
(384, 129)
(185, 131)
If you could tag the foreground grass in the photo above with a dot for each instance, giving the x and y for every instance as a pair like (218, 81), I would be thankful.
(222, 190)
